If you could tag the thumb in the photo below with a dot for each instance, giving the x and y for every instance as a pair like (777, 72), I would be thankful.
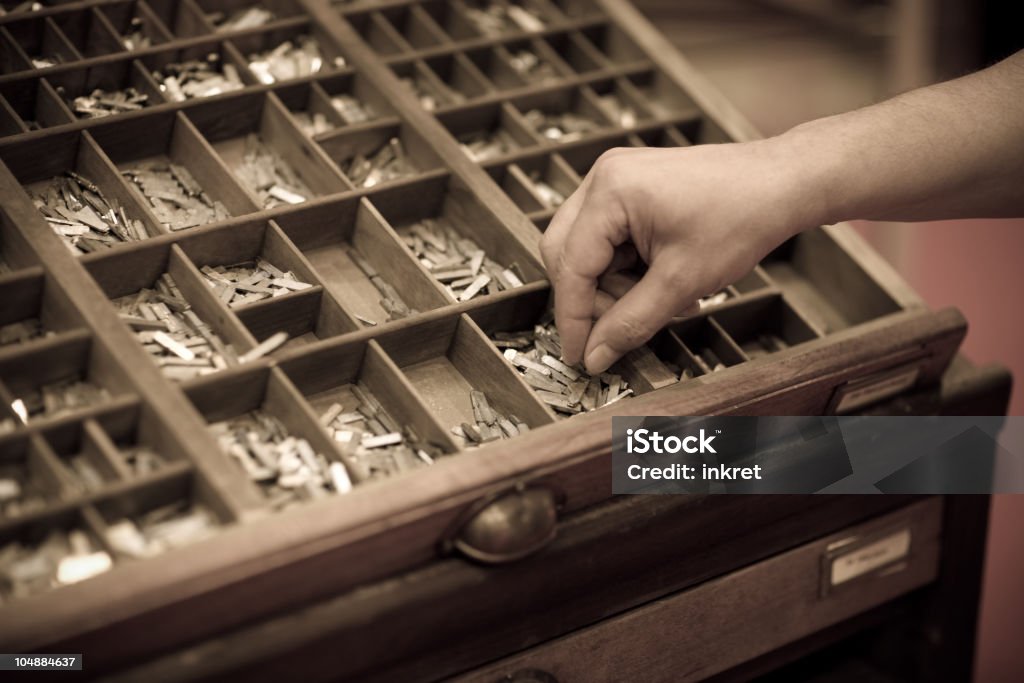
(638, 315)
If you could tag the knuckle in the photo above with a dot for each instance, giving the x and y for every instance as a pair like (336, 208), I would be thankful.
(631, 331)
(562, 262)
(610, 167)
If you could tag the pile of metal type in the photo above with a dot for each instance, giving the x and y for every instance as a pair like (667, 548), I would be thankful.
(84, 218)
(157, 531)
(247, 283)
(286, 468)
(458, 262)
(563, 126)
(567, 389)
(373, 440)
(488, 424)
(180, 81)
(62, 558)
(178, 340)
(267, 175)
(178, 201)
(389, 162)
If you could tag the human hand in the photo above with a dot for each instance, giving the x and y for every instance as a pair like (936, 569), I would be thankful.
(699, 217)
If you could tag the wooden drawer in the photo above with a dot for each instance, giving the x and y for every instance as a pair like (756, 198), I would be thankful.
(695, 634)
(847, 320)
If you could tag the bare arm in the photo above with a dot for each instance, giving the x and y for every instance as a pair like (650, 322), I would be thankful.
(702, 217)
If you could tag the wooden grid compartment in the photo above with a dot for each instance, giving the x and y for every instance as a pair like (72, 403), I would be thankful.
(31, 104)
(838, 314)
(33, 312)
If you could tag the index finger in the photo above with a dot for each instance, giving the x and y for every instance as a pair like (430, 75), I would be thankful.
(588, 250)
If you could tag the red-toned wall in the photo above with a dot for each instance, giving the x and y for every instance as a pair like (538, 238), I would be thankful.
(976, 265)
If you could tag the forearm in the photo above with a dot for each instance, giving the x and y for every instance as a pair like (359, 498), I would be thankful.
(947, 151)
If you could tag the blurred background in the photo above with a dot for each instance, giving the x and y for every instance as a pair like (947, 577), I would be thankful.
(783, 62)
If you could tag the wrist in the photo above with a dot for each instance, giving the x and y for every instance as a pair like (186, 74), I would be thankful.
(810, 156)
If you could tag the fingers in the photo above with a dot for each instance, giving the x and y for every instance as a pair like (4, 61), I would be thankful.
(589, 249)
(603, 303)
(558, 229)
(617, 284)
(637, 315)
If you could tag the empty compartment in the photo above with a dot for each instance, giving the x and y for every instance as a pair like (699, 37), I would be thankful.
(662, 96)
(178, 320)
(582, 155)
(576, 52)
(41, 42)
(464, 382)
(752, 281)
(489, 131)
(765, 326)
(565, 115)
(457, 239)
(263, 424)
(826, 284)
(359, 396)
(431, 91)
(109, 89)
(29, 477)
(46, 552)
(173, 171)
(676, 357)
(416, 25)
(85, 462)
(15, 252)
(523, 331)
(80, 194)
(712, 347)
(612, 43)
(288, 53)
(90, 32)
(460, 76)
(379, 155)
(131, 437)
(501, 71)
(10, 122)
(240, 15)
(32, 310)
(35, 103)
(256, 271)
(662, 136)
(515, 16)
(159, 516)
(12, 58)
(140, 24)
(271, 157)
(378, 32)
(360, 261)
(198, 71)
(70, 376)
(452, 19)
(183, 18)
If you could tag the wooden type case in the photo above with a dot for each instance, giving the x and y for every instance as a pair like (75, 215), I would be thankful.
(855, 334)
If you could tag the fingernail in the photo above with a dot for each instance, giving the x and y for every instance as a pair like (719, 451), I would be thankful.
(600, 359)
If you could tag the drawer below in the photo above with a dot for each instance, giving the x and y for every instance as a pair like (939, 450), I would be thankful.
(739, 616)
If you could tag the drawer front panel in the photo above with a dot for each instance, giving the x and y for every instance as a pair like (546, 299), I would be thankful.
(742, 615)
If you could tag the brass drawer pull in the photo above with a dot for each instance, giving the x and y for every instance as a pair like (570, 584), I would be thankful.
(507, 526)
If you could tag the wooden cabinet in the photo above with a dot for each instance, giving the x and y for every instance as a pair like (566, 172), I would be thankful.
(380, 567)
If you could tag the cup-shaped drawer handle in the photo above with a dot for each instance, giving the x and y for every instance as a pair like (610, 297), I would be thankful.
(507, 526)
(528, 676)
